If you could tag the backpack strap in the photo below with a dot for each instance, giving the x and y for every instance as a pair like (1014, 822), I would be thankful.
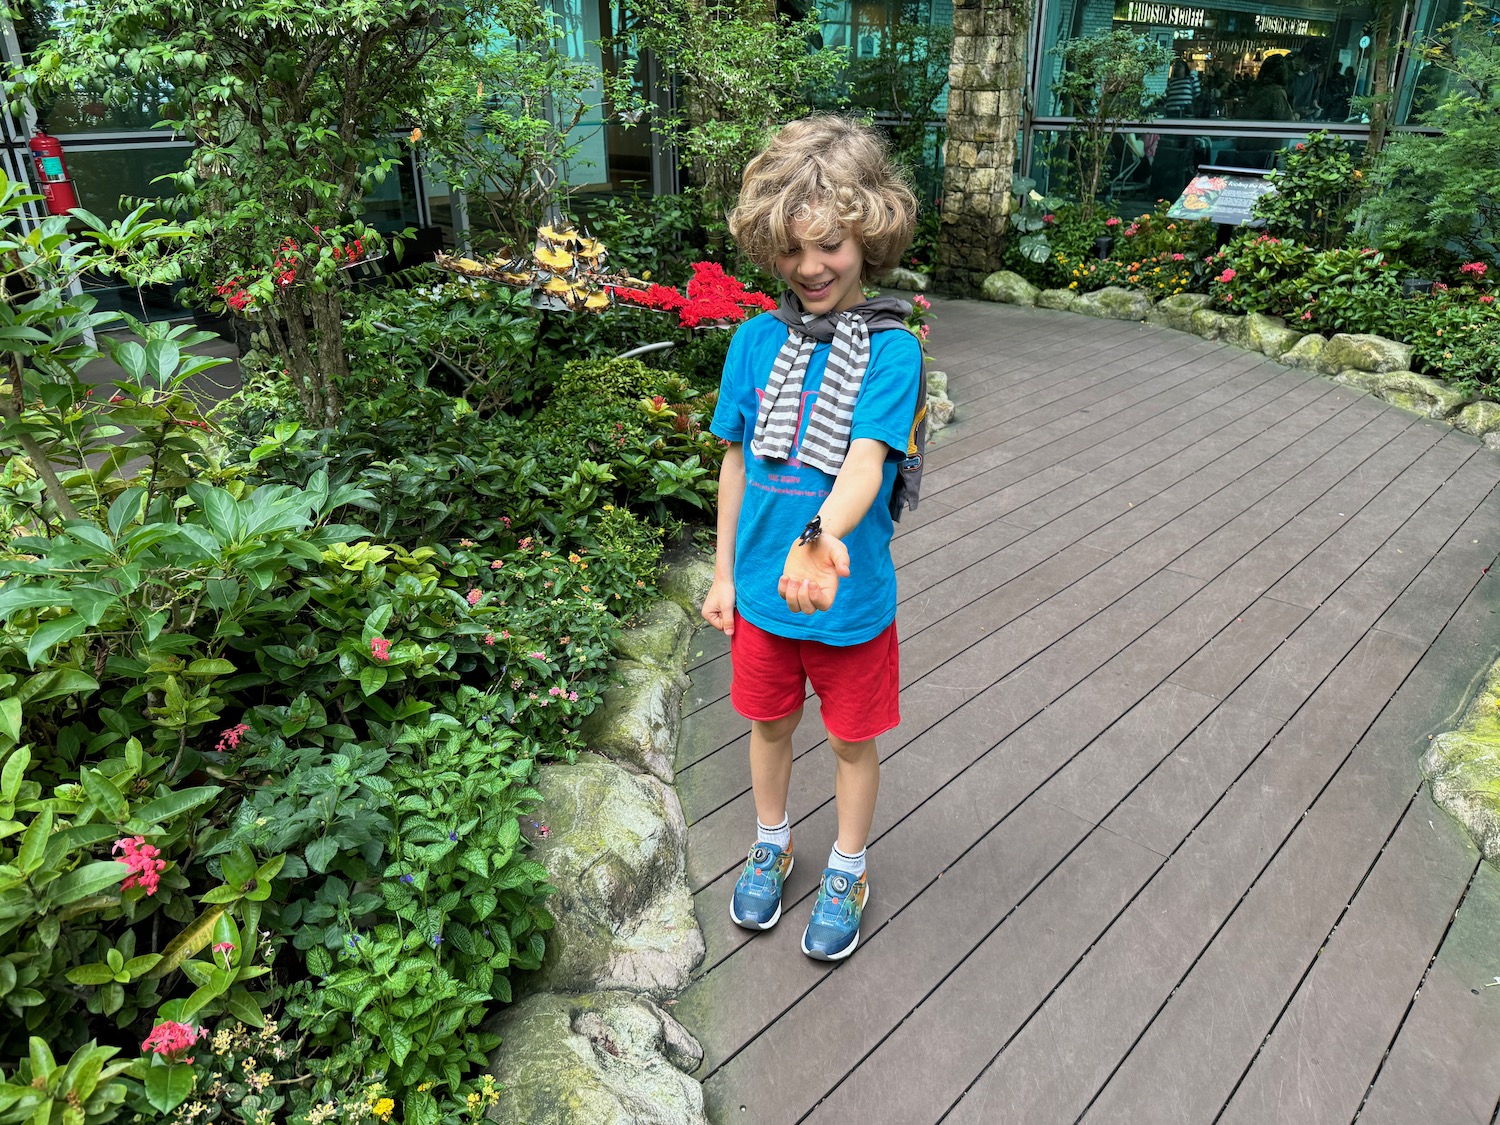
(908, 487)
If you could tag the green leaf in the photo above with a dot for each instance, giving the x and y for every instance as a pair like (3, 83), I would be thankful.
(55, 682)
(162, 359)
(95, 974)
(13, 773)
(175, 804)
(125, 510)
(34, 842)
(106, 796)
(245, 1007)
(320, 853)
(167, 1087)
(209, 668)
(16, 597)
(89, 879)
(10, 718)
(372, 678)
(187, 943)
(51, 633)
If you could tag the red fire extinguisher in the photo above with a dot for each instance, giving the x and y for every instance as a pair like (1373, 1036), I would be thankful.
(52, 174)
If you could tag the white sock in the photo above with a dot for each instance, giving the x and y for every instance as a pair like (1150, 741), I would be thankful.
(853, 864)
(780, 835)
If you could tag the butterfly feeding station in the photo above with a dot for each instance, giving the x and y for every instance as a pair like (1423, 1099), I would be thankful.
(566, 273)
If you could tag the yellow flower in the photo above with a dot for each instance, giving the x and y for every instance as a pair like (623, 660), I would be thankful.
(1072, 285)
(383, 1109)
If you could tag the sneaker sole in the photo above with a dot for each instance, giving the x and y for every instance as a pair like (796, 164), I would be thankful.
(842, 953)
(766, 925)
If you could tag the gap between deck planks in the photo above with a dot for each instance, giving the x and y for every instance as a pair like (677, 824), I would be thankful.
(1271, 577)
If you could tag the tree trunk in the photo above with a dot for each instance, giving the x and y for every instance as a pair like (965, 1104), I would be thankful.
(984, 116)
(1380, 80)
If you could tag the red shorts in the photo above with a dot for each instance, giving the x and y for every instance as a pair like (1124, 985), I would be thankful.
(859, 685)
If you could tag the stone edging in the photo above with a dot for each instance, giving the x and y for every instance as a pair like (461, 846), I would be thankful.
(1368, 362)
(590, 1039)
(1463, 768)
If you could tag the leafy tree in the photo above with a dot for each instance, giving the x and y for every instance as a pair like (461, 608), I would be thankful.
(298, 110)
(905, 78)
(1438, 193)
(743, 69)
(504, 129)
(1103, 85)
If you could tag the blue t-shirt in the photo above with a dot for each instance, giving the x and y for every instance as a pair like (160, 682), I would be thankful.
(782, 496)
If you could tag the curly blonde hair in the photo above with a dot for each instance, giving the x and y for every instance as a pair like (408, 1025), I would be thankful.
(836, 176)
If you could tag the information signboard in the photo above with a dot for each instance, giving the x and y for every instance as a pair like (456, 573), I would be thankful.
(1225, 195)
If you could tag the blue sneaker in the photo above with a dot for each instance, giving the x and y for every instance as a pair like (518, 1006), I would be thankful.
(833, 931)
(757, 893)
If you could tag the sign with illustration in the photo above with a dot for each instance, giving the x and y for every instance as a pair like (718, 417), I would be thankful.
(1225, 195)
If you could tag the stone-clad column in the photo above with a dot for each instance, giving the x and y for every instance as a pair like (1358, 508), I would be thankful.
(986, 79)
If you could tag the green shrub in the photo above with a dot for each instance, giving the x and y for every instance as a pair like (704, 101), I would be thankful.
(1316, 190)
(1455, 336)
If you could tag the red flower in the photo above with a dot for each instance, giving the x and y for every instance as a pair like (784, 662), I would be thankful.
(1475, 268)
(380, 648)
(1227, 276)
(172, 1040)
(230, 739)
(145, 862)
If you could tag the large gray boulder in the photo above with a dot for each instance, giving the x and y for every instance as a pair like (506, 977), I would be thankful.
(1114, 303)
(1177, 310)
(1236, 330)
(599, 1058)
(1063, 299)
(1420, 393)
(1464, 768)
(686, 575)
(902, 278)
(1270, 336)
(637, 719)
(1479, 418)
(1008, 288)
(615, 851)
(659, 639)
(1304, 354)
(1209, 324)
(1363, 352)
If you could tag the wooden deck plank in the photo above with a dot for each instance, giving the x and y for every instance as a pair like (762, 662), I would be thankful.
(1317, 1063)
(1442, 1064)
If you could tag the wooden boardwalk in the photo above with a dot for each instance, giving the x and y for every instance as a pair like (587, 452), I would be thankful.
(1152, 843)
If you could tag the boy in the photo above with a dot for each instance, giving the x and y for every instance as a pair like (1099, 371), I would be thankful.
(819, 404)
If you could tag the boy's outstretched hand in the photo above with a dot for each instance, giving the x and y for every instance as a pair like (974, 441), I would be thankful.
(718, 606)
(810, 577)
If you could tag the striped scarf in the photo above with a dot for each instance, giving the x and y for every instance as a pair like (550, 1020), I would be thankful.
(825, 442)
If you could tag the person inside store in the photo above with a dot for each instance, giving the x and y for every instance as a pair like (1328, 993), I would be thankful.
(1184, 93)
(1267, 98)
(1307, 81)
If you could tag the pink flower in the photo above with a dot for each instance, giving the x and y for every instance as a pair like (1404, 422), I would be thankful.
(473, 596)
(497, 564)
(1129, 231)
(1111, 222)
(1439, 287)
(1179, 257)
(554, 691)
(505, 520)
(380, 648)
(225, 948)
(922, 331)
(542, 656)
(1307, 315)
(1049, 218)
(1227, 276)
(171, 1040)
(525, 544)
(230, 739)
(1487, 299)
(489, 638)
(145, 862)
(921, 302)
(572, 697)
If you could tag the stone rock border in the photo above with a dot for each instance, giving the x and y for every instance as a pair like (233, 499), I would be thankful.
(590, 1039)
(1463, 768)
(1368, 362)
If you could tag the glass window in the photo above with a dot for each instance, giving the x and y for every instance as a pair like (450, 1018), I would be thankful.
(1247, 62)
(1146, 166)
